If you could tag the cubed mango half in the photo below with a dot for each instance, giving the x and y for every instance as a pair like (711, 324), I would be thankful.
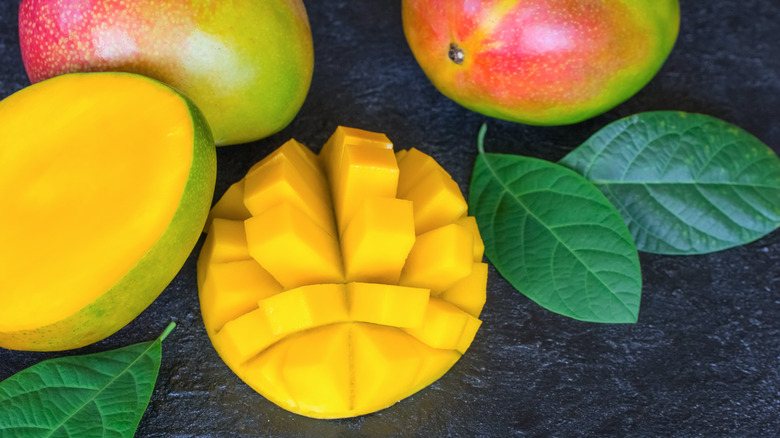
(337, 284)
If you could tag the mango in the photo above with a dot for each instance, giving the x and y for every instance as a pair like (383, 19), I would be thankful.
(107, 181)
(246, 64)
(342, 293)
(540, 62)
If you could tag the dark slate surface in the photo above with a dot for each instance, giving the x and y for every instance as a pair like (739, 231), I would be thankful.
(704, 358)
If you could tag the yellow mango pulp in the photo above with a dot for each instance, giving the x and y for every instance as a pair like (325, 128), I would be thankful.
(412, 170)
(387, 304)
(446, 327)
(437, 200)
(230, 205)
(364, 172)
(439, 258)
(370, 293)
(281, 182)
(470, 223)
(300, 156)
(468, 294)
(234, 288)
(306, 307)
(344, 137)
(293, 248)
(377, 240)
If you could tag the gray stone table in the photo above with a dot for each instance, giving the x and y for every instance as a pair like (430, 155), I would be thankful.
(703, 359)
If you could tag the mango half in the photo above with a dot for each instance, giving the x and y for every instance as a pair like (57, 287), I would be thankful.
(106, 182)
(338, 284)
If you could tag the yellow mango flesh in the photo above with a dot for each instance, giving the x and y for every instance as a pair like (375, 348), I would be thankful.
(363, 307)
(234, 288)
(106, 177)
(387, 304)
(230, 205)
(470, 223)
(279, 182)
(293, 248)
(365, 172)
(377, 240)
(439, 258)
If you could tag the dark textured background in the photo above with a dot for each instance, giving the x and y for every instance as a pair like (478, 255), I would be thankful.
(704, 358)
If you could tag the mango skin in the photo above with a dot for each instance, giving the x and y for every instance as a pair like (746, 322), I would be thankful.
(246, 64)
(541, 62)
(130, 296)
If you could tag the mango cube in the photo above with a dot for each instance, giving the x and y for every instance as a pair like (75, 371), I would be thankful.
(470, 223)
(305, 307)
(244, 337)
(300, 157)
(468, 294)
(439, 258)
(333, 150)
(225, 242)
(233, 289)
(280, 182)
(437, 201)
(386, 304)
(446, 327)
(337, 284)
(377, 240)
(294, 249)
(413, 166)
(364, 173)
(230, 205)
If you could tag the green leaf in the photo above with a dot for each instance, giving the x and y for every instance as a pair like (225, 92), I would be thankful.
(684, 183)
(96, 395)
(556, 238)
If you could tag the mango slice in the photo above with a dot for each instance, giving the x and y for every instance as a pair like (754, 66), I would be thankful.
(372, 271)
(106, 182)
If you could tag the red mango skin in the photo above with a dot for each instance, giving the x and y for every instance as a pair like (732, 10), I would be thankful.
(247, 64)
(541, 62)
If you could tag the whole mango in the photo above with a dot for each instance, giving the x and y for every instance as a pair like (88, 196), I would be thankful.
(541, 62)
(246, 64)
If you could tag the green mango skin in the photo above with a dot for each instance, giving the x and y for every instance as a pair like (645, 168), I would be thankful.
(247, 64)
(541, 62)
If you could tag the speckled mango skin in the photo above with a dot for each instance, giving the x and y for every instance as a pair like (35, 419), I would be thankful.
(246, 64)
(541, 62)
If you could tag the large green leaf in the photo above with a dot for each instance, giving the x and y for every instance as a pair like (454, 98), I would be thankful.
(684, 183)
(556, 238)
(97, 395)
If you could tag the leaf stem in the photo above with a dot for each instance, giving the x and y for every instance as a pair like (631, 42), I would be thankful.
(481, 139)
(167, 331)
